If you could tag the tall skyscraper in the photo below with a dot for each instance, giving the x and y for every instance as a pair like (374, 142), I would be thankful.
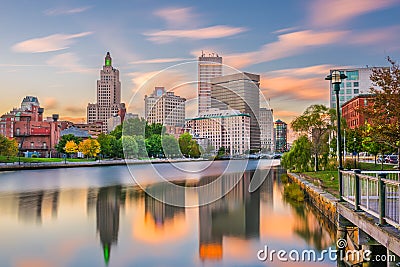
(165, 108)
(108, 96)
(266, 122)
(239, 92)
(357, 82)
(280, 136)
(208, 68)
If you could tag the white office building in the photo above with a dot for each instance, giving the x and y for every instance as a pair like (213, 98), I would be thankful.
(165, 108)
(357, 82)
(223, 128)
(266, 122)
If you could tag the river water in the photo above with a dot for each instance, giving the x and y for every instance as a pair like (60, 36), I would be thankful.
(100, 216)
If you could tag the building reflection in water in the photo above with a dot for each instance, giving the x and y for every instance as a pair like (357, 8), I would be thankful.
(32, 206)
(156, 197)
(237, 214)
(107, 211)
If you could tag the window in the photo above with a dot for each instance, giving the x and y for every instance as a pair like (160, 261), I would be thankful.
(44, 145)
(32, 145)
(355, 84)
(18, 131)
(348, 91)
(352, 75)
(341, 98)
(348, 84)
(356, 91)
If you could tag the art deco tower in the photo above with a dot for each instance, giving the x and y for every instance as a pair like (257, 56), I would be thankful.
(108, 95)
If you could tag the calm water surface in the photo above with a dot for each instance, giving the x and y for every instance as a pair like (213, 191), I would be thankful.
(99, 217)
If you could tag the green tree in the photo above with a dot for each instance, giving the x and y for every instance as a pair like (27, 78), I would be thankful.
(89, 147)
(134, 126)
(194, 151)
(299, 156)
(130, 146)
(105, 144)
(185, 143)
(221, 151)
(153, 145)
(383, 115)
(170, 146)
(154, 128)
(142, 152)
(117, 150)
(316, 121)
(117, 132)
(60, 147)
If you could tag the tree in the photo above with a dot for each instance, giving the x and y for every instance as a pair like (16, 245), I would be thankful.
(194, 151)
(89, 147)
(316, 121)
(154, 128)
(153, 146)
(105, 144)
(71, 147)
(60, 147)
(142, 152)
(383, 115)
(116, 148)
(184, 143)
(8, 147)
(134, 126)
(130, 146)
(221, 151)
(299, 156)
(170, 146)
(117, 132)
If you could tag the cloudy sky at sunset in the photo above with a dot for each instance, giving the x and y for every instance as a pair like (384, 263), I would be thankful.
(54, 49)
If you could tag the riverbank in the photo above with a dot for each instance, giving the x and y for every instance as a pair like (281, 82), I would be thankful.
(68, 164)
(325, 202)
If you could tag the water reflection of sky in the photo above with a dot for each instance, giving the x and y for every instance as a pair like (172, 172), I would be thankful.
(119, 224)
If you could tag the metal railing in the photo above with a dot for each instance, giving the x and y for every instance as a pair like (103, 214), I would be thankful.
(378, 195)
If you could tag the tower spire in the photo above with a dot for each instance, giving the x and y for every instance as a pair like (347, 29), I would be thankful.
(108, 59)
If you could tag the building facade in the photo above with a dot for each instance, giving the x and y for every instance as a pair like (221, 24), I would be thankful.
(108, 96)
(223, 128)
(280, 136)
(208, 68)
(165, 108)
(357, 83)
(27, 126)
(266, 122)
(239, 92)
(352, 110)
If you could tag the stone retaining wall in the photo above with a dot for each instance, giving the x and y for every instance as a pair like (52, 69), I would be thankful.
(323, 201)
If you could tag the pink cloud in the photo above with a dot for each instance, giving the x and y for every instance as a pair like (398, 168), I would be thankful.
(288, 44)
(49, 43)
(212, 32)
(340, 11)
(177, 17)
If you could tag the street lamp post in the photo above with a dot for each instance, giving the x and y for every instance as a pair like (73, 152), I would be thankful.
(336, 79)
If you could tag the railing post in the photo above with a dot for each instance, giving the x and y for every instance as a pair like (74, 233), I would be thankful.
(382, 197)
(340, 169)
(357, 190)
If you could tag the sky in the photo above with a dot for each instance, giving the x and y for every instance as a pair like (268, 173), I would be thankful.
(55, 49)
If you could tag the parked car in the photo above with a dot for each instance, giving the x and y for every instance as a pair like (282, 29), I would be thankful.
(393, 159)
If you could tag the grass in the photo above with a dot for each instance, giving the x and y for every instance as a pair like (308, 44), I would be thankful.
(329, 181)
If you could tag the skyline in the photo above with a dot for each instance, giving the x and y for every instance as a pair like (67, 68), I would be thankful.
(292, 46)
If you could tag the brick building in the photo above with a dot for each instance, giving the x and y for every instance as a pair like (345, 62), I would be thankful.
(27, 126)
(352, 110)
